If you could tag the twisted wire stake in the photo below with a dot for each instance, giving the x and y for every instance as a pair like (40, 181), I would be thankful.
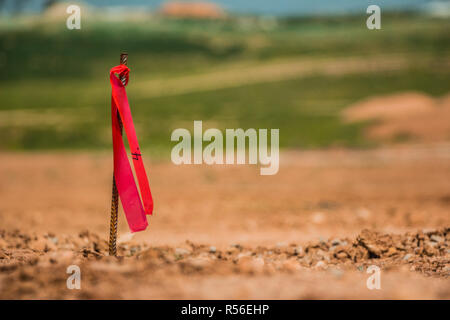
(115, 193)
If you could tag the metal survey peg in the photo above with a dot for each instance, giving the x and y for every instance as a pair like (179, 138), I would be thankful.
(115, 193)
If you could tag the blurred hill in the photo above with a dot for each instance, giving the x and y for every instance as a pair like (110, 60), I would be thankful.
(57, 11)
(198, 10)
(404, 116)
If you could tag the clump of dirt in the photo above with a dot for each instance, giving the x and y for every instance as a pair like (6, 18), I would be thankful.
(29, 263)
(404, 116)
(331, 194)
(426, 252)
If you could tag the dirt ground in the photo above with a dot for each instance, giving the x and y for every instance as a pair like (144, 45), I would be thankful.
(311, 231)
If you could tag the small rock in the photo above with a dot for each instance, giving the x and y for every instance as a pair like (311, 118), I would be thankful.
(281, 245)
(53, 239)
(212, 249)
(335, 242)
(436, 238)
(321, 254)
(299, 251)
(341, 255)
(243, 254)
(307, 261)
(134, 250)
(198, 263)
(391, 252)
(408, 257)
(78, 242)
(374, 249)
(430, 250)
(181, 252)
(320, 265)
(3, 255)
(432, 244)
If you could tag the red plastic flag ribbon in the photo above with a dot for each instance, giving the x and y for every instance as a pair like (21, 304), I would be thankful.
(135, 211)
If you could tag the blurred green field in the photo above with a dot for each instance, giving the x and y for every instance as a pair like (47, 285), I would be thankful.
(55, 91)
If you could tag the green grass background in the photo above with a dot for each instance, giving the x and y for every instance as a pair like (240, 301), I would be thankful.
(55, 92)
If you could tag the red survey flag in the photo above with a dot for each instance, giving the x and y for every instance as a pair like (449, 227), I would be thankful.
(135, 209)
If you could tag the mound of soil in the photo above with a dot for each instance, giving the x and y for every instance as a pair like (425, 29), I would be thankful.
(404, 116)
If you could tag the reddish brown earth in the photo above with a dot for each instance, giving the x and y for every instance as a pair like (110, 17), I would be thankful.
(404, 116)
(311, 231)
